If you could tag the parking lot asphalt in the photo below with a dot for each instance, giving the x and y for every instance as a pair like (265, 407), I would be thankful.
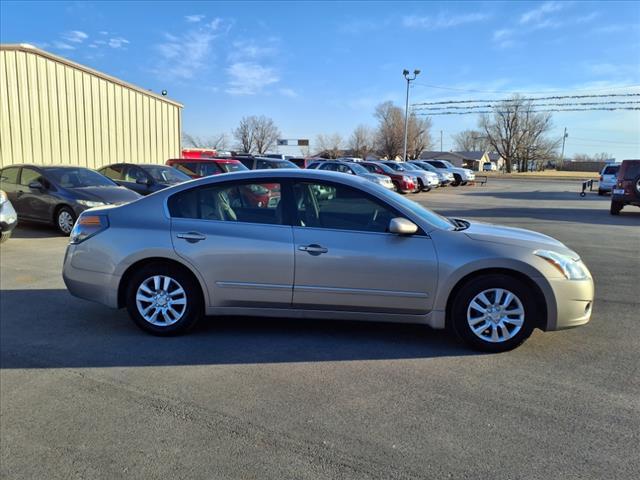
(85, 394)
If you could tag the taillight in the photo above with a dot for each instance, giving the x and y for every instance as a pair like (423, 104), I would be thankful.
(87, 226)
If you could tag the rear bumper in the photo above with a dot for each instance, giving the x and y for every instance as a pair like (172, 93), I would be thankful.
(8, 218)
(89, 285)
(574, 302)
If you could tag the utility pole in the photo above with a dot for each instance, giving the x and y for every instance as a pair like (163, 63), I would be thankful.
(409, 79)
(564, 137)
(441, 140)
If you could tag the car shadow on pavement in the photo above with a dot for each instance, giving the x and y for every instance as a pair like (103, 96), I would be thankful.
(51, 329)
(591, 216)
(34, 230)
(541, 195)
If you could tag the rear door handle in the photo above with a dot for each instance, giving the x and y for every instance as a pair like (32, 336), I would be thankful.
(313, 249)
(191, 237)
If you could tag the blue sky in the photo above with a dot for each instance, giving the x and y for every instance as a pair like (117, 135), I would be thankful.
(322, 67)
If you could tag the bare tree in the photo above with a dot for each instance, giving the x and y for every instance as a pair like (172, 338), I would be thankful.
(470, 141)
(418, 136)
(361, 142)
(329, 145)
(215, 142)
(519, 134)
(390, 132)
(245, 136)
(266, 133)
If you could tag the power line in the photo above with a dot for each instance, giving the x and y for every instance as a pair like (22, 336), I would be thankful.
(531, 99)
(478, 112)
(528, 93)
(453, 107)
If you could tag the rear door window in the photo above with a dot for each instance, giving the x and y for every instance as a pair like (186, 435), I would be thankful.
(248, 202)
(114, 172)
(632, 170)
(9, 175)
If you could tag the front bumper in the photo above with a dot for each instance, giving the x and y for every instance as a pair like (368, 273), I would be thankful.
(90, 285)
(8, 218)
(574, 302)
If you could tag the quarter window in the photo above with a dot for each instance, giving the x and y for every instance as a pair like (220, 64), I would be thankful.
(321, 205)
(236, 202)
(29, 175)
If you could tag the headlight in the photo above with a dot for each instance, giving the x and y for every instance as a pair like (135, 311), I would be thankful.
(90, 203)
(87, 226)
(407, 179)
(570, 268)
(3, 197)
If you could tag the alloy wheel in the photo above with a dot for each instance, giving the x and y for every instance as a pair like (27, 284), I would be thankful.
(65, 221)
(161, 300)
(495, 315)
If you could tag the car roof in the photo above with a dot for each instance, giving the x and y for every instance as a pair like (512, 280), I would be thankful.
(45, 167)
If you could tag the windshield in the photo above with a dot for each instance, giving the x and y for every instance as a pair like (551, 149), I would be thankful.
(359, 169)
(77, 177)
(611, 170)
(165, 174)
(424, 213)
(232, 167)
(395, 166)
(447, 164)
(411, 167)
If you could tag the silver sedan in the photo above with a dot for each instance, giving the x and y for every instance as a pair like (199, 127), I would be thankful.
(314, 244)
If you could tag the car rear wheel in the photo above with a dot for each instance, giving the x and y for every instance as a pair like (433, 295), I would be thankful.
(494, 313)
(457, 179)
(163, 300)
(65, 219)
(615, 208)
(600, 192)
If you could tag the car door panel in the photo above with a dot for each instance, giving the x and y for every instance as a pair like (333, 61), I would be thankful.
(243, 264)
(32, 203)
(364, 271)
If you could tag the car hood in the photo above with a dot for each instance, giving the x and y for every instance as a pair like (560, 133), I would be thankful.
(113, 194)
(521, 237)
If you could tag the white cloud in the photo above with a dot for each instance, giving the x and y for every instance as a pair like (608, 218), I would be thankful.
(186, 55)
(538, 14)
(250, 50)
(443, 20)
(613, 28)
(75, 36)
(587, 18)
(63, 46)
(288, 92)
(249, 78)
(117, 42)
(193, 18)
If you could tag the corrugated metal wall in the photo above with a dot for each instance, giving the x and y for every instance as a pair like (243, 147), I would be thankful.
(55, 112)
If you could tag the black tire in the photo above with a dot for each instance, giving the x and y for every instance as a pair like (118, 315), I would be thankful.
(194, 304)
(64, 217)
(458, 312)
(616, 207)
(5, 236)
(457, 179)
(426, 189)
(600, 192)
(463, 183)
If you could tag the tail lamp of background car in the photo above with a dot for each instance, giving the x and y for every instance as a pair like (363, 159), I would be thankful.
(87, 226)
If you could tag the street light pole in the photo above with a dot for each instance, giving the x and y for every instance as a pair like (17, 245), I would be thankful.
(409, 79)
(564, 137)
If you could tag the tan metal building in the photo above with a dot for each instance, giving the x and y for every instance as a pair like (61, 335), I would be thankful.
(55, 111)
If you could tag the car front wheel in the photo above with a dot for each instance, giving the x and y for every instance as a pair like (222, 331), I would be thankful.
(65, 219)
(494, 313)
(163, 300)
(615, 208)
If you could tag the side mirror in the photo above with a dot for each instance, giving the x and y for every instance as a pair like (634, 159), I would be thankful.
(402, 226)
(143, 181)
(36, 185)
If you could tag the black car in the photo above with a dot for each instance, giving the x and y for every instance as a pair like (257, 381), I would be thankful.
(143, 178)
(262, 163)
(58, 194)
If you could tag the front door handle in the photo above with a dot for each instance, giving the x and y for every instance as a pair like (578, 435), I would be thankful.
(313, 249)
(191, 237)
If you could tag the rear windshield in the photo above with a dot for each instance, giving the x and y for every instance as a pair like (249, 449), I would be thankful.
(165, 174)
(611, 170)
(395, 166)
